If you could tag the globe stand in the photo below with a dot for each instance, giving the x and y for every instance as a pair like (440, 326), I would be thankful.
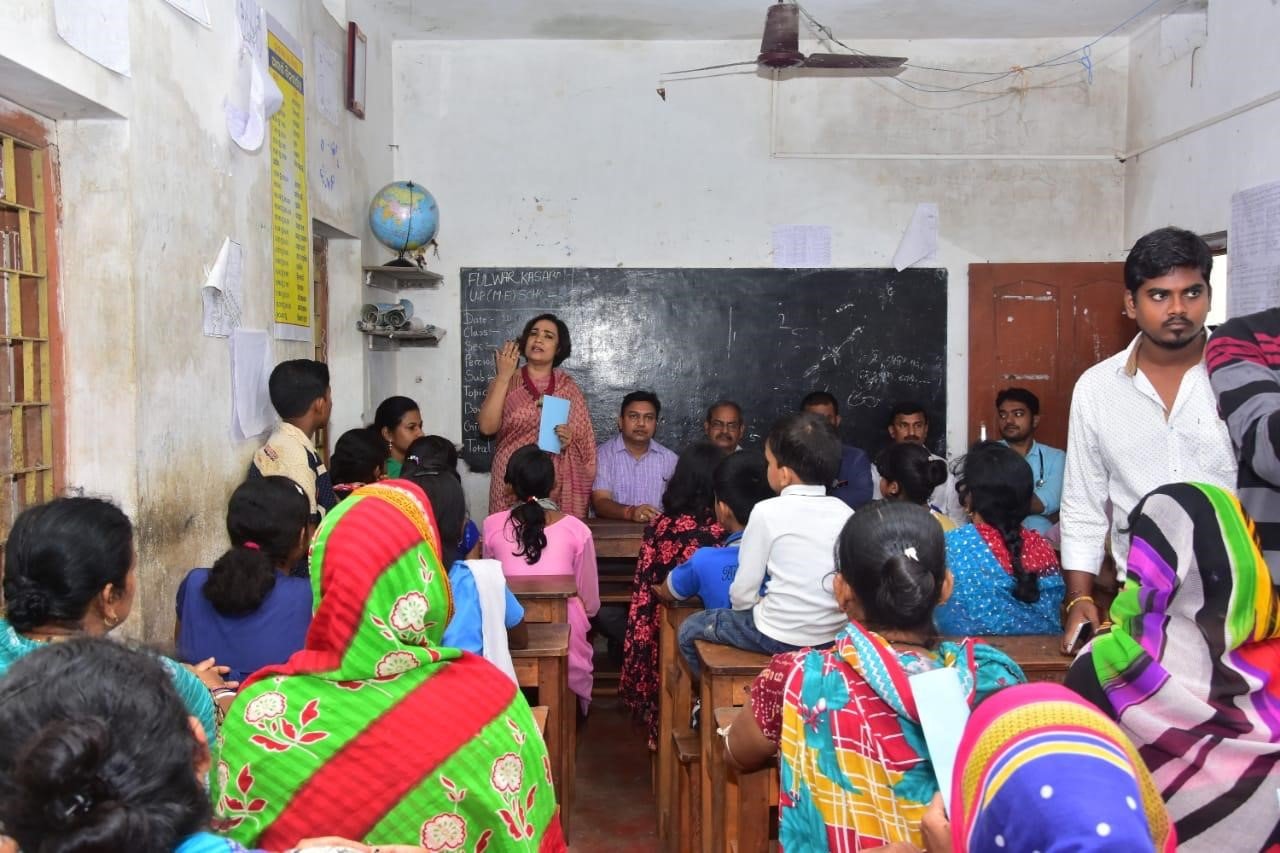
(401, 261)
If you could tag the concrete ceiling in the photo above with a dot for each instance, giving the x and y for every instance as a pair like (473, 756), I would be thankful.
(744, 19)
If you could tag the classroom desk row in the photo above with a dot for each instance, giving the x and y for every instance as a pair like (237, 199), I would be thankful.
(543, 665)
(703, 804)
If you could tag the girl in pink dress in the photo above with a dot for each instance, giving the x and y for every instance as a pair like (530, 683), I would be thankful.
(536, 538)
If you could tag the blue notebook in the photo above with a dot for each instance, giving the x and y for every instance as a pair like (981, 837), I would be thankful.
(555, 411)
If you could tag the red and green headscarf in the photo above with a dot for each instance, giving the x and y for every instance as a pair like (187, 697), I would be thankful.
(374, 731)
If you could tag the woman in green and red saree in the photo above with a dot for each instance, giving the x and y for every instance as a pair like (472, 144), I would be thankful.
(374, 731)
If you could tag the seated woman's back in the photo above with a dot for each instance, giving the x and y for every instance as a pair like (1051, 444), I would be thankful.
(855, 769)
(246, 611)
(1007, 578)
(374, 730)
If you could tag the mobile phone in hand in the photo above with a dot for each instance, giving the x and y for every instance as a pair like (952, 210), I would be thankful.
(1081, 636)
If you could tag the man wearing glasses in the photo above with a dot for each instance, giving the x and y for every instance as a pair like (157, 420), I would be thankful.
(632, 469)
(724, 425)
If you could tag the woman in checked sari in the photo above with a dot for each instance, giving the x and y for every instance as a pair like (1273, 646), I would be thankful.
(374, 731)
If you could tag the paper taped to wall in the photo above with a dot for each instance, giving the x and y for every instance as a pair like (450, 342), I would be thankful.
(801, 246)
(255, 97)
(251, 411)
(222, 291)
(1253, 278)
(920, 241)
(97, 28)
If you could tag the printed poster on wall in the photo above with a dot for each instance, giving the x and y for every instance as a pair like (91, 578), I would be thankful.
(290, 238)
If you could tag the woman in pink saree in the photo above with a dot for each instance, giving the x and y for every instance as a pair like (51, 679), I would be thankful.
(512, 411)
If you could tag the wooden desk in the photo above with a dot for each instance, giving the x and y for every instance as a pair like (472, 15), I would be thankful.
(748, 798)
(544, 665)
(616, 539)
(675, 701)
(545, 598)
(1037, 654)
(727, 674)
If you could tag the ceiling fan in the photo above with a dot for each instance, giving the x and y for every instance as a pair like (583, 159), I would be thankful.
(780, 48)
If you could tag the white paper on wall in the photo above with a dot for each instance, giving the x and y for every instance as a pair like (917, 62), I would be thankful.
(222, 291)
(251, 411)
(801, 246)
(196, 10)
(1253, 244)
(97, 28)
(920, 240)
(327, 80)
(255, 97)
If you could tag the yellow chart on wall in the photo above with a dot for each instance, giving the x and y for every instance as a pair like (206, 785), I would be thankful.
(291, 246)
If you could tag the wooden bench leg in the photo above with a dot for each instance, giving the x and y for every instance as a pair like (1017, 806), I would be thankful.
(747, 818)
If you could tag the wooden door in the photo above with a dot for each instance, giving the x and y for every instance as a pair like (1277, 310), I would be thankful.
(1039, 326)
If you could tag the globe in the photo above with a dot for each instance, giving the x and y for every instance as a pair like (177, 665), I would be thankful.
(403, 217)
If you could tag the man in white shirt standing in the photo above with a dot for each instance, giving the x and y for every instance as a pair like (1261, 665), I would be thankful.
(1144, 417)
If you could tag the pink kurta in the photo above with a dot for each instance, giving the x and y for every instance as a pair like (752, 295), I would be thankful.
(575, 464)
(570, 551)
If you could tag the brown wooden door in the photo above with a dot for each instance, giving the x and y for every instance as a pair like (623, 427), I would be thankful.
(320, 320)
(1039, 326)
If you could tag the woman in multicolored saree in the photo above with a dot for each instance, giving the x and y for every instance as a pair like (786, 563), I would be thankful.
(374, 731)
(1191, 667)
(512, 413)
(855, 773)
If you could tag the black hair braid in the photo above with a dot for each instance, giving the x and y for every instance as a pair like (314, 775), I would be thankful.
(1025, 587)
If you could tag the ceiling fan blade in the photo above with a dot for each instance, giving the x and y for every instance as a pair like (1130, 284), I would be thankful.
(861, 64)
(780, 45)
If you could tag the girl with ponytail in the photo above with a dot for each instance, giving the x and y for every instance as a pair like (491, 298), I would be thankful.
(246, 610)
(1008, 580)
(869, 786)
(535, 538)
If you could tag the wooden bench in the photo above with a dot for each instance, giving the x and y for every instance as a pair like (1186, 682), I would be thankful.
(675, 703)
(749, 799)
(727, 674)
(1039, 655)
(545, 598)
(544, 665)
(684, 832)
(540, 718)
(616, 540)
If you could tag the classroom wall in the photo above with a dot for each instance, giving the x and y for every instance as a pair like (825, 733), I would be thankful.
(561, 153)
(147, 200)
(1180, 78)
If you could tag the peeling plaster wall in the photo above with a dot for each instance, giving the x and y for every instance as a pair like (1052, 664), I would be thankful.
(561, 153)
(1189, 181)
(147, 200)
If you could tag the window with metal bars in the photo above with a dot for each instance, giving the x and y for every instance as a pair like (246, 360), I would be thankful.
(26, 347)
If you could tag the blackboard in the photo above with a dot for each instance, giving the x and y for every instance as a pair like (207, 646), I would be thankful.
(762, 337)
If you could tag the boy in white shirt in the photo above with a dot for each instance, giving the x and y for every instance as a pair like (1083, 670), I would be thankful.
(781, 595)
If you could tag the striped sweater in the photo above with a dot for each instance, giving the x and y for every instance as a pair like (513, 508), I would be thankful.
(1243, 359)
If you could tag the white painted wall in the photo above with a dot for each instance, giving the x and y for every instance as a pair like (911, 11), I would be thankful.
(147, 200)
(1189, 182)
(561, 153)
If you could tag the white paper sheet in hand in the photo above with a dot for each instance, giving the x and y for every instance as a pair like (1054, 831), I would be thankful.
(943, 712)
(920, 241)
(251, 412)
(97, 28)
(222, 291)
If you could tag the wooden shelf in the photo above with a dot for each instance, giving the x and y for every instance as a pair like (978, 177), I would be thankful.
(390, 339)
(397, 278)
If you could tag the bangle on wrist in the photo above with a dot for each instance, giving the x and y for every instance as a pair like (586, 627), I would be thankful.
(1079, 598)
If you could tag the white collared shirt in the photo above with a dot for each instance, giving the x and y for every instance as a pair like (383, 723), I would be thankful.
(1121, 446)
(788, 548)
